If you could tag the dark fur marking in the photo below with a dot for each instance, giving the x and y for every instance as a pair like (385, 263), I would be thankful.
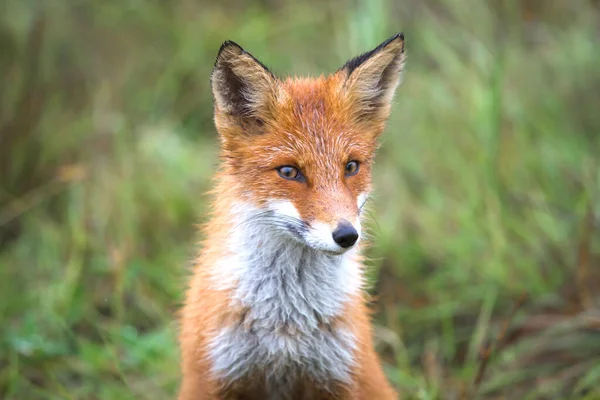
(234, 87)
(229, 43)
(354, 63)
(301, 267)
(275, 258)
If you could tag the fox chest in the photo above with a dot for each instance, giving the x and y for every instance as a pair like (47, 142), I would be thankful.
(290, 332)
(279, 363)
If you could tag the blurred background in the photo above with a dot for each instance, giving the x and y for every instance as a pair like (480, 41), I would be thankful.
(486, 216)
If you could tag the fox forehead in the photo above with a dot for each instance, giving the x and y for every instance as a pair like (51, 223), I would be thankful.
(311, 124)
(317, 107)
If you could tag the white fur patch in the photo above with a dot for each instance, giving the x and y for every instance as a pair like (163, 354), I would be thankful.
(284, 207)
(320, 237)
(361, 200)
(290, 290)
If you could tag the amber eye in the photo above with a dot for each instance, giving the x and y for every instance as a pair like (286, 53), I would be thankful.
(351, 168)
(288, 172)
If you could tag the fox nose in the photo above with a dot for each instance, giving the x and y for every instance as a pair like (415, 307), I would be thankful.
(345, 235)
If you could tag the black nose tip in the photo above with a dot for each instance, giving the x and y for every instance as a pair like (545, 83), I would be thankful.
(345, 235)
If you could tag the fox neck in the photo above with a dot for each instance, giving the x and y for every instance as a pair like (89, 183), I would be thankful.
(270, 271)
(293, 299)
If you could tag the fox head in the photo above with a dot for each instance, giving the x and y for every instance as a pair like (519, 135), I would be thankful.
(301, 150)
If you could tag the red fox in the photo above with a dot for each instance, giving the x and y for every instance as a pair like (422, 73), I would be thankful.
(276, 307)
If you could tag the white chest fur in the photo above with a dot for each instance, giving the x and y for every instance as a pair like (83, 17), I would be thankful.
(291, 293)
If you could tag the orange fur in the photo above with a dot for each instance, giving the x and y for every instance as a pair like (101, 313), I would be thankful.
(316, 125)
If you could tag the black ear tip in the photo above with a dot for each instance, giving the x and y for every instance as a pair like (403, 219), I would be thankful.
(397, 36)
(229, 45)
(352, 64)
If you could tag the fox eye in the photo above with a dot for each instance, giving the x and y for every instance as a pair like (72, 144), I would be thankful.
(288, 172)
(352, 168)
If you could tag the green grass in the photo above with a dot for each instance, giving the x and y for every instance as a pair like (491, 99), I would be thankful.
(487, 187)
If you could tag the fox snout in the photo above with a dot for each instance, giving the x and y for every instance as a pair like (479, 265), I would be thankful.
(345, 235)
(334, 236)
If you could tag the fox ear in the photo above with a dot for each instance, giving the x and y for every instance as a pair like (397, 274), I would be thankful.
(372, 78)
(242, 86)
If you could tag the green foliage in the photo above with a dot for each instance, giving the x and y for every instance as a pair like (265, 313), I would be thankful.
(486, 186)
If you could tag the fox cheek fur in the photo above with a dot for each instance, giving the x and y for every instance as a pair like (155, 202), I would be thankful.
(275, 307)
